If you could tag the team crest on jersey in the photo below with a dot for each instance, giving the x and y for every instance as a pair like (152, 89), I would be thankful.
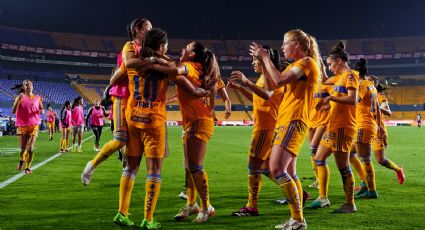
(145, 120)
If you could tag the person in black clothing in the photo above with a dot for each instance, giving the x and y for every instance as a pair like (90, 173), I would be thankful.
(95, 116)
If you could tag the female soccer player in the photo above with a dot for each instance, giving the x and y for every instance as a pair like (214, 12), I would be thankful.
(27, 108)
(119, 95)
(299, 80)
(50, 117)
(198, 125)
(380, 143)
(146, 118)
(77, 121)
(265, 106)
(341, 128)
(65, 124)
(96, 116)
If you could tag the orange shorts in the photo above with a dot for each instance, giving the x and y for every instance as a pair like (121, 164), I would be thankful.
(290, 136)
(27, 130)
(366, 135)
(339, 140)
(51, 125)
(120, 123)
(202, 129)
(261, 144)
(150, 141)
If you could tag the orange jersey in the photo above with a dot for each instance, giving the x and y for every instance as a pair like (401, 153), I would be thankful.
(367, 100)
(146, 103)
(320, 118)
(343, 115)
(193, 108)
(298, 98)
(266, 111)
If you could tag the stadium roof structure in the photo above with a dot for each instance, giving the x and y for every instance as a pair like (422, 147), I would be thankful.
(222, 19)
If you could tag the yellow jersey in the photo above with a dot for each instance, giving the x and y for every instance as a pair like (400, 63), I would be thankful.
(266, 111)
(343, 115)
(193, 108)
(320, 118)
(367, 100)
(298, 99)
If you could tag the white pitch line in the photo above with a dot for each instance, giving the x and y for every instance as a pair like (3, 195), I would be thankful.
(21, 174)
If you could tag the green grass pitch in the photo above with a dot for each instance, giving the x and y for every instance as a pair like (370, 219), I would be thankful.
(53, 197)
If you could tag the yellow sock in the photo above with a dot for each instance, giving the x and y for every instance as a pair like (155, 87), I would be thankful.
(313, 162)
(387, 163)
(290, 191)
(107, 150)
(190, 188)
(30, 157)
(152, 187)
(62, 144)
(357, 165)
(323, 176)
(370, 175)
(23, 155)
(200, 179)
(348, 184)
(300, 189)
(66, 144)
(126, 187)
(254, 187)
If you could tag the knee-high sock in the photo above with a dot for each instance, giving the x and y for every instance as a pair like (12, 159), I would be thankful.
(290, 191)
(62, 144)
(312, 161)
(126, 187)
(254, 187)
(370, 173)
(66, 143)
(387, 163)
(23, 155)
(348, 184)
(190, 188)
(299, 187)
(152, 187)
(200, 178)
(323, 176)
(357, 165)
(107, 150)
(30, 157)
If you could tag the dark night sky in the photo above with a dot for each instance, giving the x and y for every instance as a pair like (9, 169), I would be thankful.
(265, 19)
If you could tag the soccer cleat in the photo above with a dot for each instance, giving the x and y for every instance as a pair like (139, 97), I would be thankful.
(204, 215)
(87, 173)
(50, 138)
(186, 211)
(360, 189)
(246, 211)
(346, 208)
(122, 220)
(319, 203)
(183, 195)
(153, 224)
(21, 163)
(400, 176)
(282, 200)
(61, 151)
(315, 184)
(28, 171)
(292, 224)
(79, 149)
(367, 195)
(73, 149)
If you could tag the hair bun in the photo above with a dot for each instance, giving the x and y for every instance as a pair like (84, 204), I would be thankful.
(341, 45)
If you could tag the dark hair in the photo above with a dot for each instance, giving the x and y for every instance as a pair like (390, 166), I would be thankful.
(338, 51)
(209, 64)
(48, 105)
(152, 41)
(65, 105)
(18, 87)
(76, 100)
(274, 57)
(361, 66)
(136, 23)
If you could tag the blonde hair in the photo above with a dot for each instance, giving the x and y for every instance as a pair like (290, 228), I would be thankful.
(308, 43)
